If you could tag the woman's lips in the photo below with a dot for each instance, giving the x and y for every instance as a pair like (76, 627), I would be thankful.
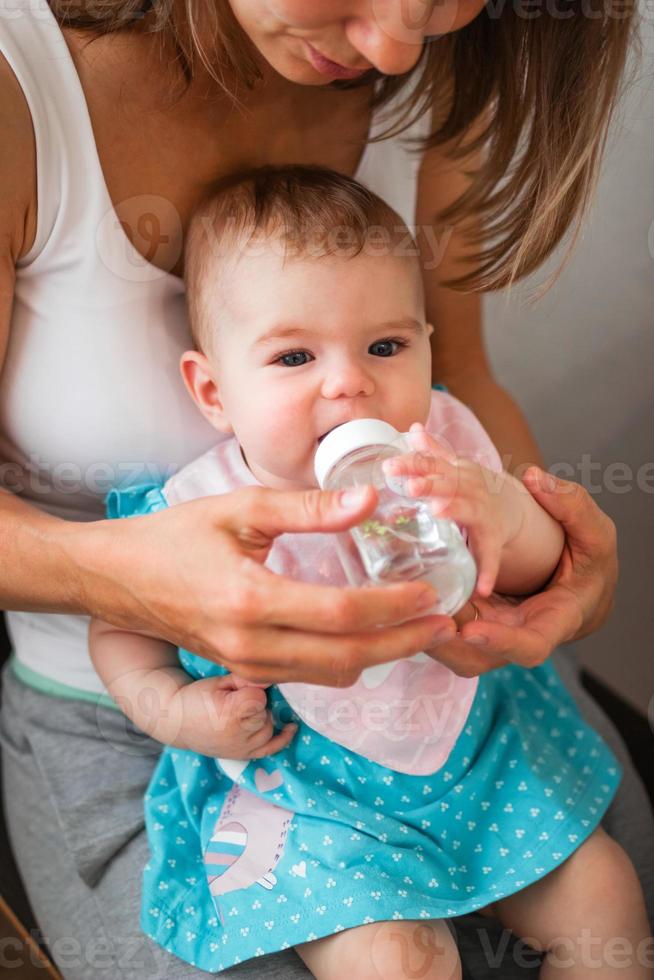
(331, 68)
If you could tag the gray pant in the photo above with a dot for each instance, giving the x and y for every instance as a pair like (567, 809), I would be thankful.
(74, 777)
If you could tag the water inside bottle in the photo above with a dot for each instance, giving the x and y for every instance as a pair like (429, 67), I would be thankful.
(401, 541)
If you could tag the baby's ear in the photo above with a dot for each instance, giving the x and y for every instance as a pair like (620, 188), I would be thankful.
(430, 329)
(199, 378)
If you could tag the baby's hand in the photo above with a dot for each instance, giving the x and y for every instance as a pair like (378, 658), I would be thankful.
(228, 718)
(463, 491)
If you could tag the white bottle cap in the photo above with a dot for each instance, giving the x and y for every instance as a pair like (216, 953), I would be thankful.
(346, 438)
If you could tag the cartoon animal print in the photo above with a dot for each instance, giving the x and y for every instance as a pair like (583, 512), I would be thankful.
(246, 845)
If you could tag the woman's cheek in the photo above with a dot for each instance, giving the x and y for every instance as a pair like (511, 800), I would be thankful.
(300, 14)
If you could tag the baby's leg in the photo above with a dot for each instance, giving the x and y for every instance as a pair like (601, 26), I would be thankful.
(385, 951)
(588, 915)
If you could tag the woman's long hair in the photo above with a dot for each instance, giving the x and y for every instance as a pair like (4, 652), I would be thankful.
(536, 81)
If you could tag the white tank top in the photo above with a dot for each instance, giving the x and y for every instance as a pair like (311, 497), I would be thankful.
(90, 392)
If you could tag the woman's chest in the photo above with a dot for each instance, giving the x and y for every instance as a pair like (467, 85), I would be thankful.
(159, 159)
(90, 381)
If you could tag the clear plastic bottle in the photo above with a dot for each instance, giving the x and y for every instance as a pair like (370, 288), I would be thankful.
(403, 539)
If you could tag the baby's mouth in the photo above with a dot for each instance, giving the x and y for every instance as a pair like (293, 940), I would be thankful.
(325, 434)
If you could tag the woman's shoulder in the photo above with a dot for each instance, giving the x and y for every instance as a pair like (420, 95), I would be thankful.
(17, 167)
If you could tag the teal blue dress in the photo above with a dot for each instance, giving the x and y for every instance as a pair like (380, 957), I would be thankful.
(250, 858)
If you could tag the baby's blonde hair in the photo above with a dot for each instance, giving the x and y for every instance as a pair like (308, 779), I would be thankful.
(301, 211)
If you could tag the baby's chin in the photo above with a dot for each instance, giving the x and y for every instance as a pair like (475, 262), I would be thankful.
(280, 478)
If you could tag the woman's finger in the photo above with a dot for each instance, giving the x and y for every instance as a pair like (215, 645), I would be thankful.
(231, 682)
(275, 654)
(465, 660)
(510, 644)
(535, 628)
(465, 615)
(273, 600)
(257, 515)
(569, 503)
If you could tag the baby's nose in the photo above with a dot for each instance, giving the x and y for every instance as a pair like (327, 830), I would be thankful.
(348, 381)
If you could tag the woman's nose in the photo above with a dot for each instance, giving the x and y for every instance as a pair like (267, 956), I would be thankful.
(391, 34)
(347, 381)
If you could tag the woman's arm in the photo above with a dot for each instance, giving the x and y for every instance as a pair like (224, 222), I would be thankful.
(579, 596)
(472, 383)
(459, 358)
(36, 566)
(259, 625)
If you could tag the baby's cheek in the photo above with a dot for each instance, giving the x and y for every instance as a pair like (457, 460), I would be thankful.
(282, 443)
(414, 407)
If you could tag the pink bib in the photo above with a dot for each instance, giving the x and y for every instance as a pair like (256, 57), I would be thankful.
(407, 714)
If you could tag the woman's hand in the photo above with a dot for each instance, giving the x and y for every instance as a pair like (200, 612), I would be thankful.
(577, 600)
(193, 574)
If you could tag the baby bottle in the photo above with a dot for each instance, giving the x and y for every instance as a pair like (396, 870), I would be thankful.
(406, 714)
(403, 539)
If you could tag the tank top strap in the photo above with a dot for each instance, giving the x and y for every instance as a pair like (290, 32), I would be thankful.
(36, 51)
(391, 167)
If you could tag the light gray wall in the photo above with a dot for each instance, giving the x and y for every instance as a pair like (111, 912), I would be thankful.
(581, 365)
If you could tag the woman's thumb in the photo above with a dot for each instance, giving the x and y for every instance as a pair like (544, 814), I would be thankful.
(273, 512)
(565, 501)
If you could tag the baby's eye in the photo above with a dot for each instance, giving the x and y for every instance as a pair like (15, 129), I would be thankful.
(294, 358)
(385, 348)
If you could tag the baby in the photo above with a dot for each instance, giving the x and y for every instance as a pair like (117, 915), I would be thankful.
(356, 843)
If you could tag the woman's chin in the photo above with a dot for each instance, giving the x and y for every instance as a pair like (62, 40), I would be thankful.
(287, 58)
(300, 72)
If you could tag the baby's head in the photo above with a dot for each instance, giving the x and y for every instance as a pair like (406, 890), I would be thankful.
(307, 310)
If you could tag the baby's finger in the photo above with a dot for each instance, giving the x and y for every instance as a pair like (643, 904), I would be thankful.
(232, 682)
(441, 487)
(276, 743)
(422, 475)
(250, 707)
(486, 549)
(419, 464)
(225, 682)
(424, 442)
(239, 682)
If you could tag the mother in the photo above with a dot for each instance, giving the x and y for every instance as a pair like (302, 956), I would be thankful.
(110, 145)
